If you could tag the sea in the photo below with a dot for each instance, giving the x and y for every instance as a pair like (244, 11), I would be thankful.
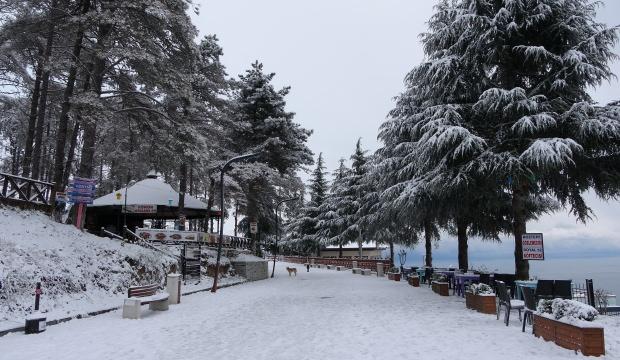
(604, 271)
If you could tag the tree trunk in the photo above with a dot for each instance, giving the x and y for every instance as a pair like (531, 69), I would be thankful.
(461, 230)
(71, 154)
(32, 119)
(61, 134)
(519, 195)
(182, 190)
(428, 243)
(38, 137)
(32, 156)
(391, 254)
(90, 127)
(340, 250)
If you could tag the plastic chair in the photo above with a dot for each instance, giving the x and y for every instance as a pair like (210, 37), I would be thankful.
(563, 289)
(485, 278)
(544, 289)
(507, 302)
(530, 307)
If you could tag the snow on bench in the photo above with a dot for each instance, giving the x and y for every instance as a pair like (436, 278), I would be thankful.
(142, 295)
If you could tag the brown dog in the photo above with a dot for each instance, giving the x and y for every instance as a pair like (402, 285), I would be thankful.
(291, 270)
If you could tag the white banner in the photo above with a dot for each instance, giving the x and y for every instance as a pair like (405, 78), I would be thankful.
(533, 247)
(141, 209)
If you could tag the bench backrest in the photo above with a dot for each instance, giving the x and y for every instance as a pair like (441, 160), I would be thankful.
(142, 291)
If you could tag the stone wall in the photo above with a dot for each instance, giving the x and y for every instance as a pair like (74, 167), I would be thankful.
(251, 270)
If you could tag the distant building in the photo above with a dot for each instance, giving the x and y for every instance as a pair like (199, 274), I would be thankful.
(369, 251)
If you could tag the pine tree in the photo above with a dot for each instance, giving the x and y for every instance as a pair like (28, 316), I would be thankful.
(340, 219)
(264, 126)
(330, 223)
(501, 101)
(305, 225)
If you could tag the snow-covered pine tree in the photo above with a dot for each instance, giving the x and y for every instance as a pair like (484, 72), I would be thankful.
(340, 215)
(503, 96)
(305, 224)
(264, 126)
(330, 222)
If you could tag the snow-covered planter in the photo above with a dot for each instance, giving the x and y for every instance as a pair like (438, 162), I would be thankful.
(414, 281)
(440, 288)
(570, 324)
(394, 274)
(480, 297)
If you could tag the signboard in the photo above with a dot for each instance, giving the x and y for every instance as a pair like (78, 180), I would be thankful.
(141, 209)
(81, 191)
(61, 197)
(253, 227)
(533, 248)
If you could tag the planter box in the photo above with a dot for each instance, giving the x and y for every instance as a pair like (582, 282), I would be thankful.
(356, 270)
(414, 281)
(340, 268)
(394, 276)
(589, 340)
(481, 303)
(440, 288)
(366, 272)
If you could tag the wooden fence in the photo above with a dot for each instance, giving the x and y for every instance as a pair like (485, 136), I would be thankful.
(26, 193)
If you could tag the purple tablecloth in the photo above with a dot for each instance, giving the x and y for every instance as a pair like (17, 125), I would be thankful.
(461, 279)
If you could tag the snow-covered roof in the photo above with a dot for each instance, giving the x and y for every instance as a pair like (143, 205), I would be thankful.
(149, 191)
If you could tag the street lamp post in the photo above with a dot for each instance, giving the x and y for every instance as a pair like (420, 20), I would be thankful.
(221, 224)
(275, 250)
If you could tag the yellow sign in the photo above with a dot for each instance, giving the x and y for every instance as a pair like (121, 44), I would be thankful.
(118, 196)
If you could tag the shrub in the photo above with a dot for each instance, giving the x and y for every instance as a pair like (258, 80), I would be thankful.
(440, 278)
(481, 289)
(567, 309)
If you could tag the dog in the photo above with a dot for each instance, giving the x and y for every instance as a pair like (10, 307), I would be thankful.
(291, 271)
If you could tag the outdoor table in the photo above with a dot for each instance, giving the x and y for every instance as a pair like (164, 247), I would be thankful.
(461, 279)
(520, 284)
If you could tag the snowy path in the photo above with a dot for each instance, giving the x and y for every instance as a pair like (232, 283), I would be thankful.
(323, 314)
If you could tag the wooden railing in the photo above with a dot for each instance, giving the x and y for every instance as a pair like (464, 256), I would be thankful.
(346, 262)
(17, 190)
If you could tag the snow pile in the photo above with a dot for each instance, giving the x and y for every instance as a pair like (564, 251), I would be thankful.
(79, 272)
(567, 310)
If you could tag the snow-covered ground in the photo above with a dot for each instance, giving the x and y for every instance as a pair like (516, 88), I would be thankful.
(323, 314)
(79, 272)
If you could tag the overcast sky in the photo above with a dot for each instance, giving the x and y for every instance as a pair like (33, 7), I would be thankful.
(345, 61)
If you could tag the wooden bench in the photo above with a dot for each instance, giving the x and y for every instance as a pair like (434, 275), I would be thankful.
(142, 295)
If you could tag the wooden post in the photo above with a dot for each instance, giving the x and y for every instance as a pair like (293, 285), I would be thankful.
(78, 221)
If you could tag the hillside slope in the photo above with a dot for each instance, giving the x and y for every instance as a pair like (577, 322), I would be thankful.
(79, 272)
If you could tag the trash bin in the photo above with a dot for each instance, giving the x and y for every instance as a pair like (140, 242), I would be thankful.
(35, 323)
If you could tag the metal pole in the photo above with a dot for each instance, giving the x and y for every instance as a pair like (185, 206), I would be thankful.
(221, 224)
(275, 250)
